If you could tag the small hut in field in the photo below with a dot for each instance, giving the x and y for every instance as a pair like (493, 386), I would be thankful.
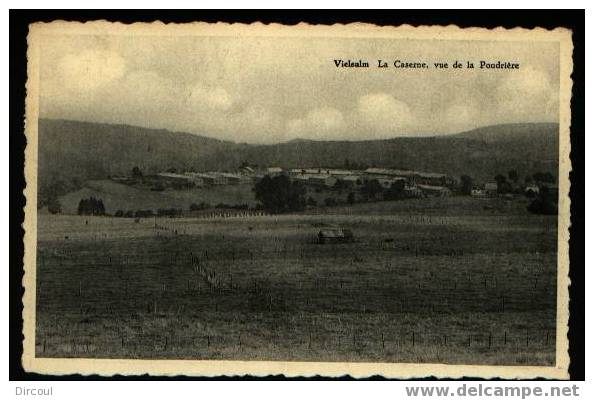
(335, 235)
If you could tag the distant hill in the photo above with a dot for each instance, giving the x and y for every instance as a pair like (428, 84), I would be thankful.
(512, 132)
(481, 153)
(72, 152)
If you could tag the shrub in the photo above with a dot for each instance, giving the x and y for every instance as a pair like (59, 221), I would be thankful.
(330, 202)
(91, 206)
(280, 194)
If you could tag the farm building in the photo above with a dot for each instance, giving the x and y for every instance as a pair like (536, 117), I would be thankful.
(211, 178)
(340, 172)
(532, 188)
(303, 178)
(388, 182)
(274, 171)
(479, 193)
(195, 178)
(424, 178)
(322, 180)
(351, 181)
(308, 171)
(232, 179)
(297, 171)
(335, 235)
(174, 178)
(435, 179)
(412, 191)
(390, 172)
(435, 191)
(491, 189)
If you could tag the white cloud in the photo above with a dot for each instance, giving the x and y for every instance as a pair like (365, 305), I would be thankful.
(90, 69)
(215, 98)
(460, 117)
(324, 122)
(383, 113)
(527, 95)
(198, 85)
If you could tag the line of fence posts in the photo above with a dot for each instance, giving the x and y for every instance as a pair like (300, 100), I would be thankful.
(166, 342)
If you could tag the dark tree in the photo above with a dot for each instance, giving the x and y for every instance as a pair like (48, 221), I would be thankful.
(500, 179)
(371, 189)
(543, 177)
(351, 198)
(136, 172)
(503, 186)
(91, 206)
(279, 194)
(330, 202)
(466, 185)
(395, 192)
(340, 184)
(311, 202)
(53, 206)
(545, 202)
(513, 175)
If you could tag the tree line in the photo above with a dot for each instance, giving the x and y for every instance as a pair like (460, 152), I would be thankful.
(91, 206)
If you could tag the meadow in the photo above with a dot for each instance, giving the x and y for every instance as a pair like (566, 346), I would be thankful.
(452, 280)
(117, 196)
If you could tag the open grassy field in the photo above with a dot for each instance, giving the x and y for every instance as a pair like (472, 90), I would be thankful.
(454, 280)
(117, 196)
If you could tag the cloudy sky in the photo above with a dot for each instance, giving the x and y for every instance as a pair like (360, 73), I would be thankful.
(266, 90)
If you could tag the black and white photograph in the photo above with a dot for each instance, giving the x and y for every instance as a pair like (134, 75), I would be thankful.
(218, 199)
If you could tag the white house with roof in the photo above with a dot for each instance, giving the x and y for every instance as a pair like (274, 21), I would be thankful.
(435, 191)
(322, 180)
(210, 178)
(273, 171)
(352, 181)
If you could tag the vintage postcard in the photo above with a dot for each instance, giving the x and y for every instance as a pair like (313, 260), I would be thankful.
(224, 199)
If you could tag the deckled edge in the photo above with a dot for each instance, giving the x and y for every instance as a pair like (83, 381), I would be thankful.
(291, 369)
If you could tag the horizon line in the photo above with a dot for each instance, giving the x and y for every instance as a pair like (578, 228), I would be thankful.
(298, 139)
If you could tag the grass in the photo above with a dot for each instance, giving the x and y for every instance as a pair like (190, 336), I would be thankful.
(117, 196)
(477, 285)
